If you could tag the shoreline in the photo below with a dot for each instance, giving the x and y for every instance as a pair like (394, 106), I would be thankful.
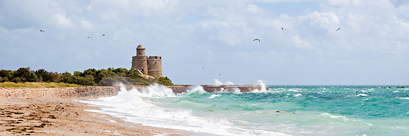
(58, 111)
(56, 116)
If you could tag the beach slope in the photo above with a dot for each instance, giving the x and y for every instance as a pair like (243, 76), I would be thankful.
(59, 116)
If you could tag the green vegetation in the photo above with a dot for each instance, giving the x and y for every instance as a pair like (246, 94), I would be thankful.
(165, 81)
(90, 77)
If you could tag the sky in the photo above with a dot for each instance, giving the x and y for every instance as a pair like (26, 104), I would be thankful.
(371, 47)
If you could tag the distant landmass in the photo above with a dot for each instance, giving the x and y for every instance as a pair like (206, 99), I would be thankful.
(90, 77)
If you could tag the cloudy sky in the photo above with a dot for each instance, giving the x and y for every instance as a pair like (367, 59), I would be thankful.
(371, 48)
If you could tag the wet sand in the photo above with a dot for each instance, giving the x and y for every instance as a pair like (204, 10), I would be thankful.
(58, 117)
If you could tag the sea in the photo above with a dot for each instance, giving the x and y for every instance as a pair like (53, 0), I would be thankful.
(280, 110)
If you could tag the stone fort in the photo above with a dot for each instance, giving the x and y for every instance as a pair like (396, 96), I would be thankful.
(151, 65)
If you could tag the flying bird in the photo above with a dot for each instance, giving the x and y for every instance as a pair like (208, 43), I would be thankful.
(88, 37)
(283, 28)
(42, 31)
(257, 40)
(96, 52)
(203, 67)
(103, 34)
(219, 74)
(339, 28)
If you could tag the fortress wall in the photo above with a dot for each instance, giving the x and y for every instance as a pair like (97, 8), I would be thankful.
(95, 92)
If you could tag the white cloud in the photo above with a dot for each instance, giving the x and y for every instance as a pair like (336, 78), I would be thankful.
(86, 24)
(301, 44)
(339, 2)
(229, 38)
(61, 20)
(122, 10)
(321, 18)
(215, 34)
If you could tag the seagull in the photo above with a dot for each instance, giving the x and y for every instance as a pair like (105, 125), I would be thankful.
(203, 67)
(283, 28)
(103, 34)
(42, 31)
(88, 37)
(96, 52)
(339, 28)
(257, 40)
(219, 74)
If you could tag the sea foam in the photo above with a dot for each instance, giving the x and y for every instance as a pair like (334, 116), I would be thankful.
(262, 85)
(135, 106)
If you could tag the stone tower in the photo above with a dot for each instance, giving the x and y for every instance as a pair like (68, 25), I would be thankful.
(140, 60)
(151, 65)
(155, 66)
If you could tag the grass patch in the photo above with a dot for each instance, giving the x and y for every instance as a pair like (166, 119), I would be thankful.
(38, 84)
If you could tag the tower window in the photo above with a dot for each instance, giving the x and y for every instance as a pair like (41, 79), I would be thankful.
(139, 52)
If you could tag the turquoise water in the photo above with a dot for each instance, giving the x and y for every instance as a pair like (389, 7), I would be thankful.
(281, 110)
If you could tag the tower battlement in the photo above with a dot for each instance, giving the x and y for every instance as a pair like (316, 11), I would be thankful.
(151, 65)
(155, 57)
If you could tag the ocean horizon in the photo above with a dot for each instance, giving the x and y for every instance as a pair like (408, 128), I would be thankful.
(319, 110)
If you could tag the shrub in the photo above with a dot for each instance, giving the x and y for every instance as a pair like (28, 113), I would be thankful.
(89, 77)
(110, 81)
(77, 73)
(40, 74)
(165, 81)
(5, 73)
(48, 77)
(5, 79)
(16, 80)
(23, 74)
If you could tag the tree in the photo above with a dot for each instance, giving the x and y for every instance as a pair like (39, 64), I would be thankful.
(66, 75)
(5, 73)
(77, 73)
(33, 78)
(16, 80)
(100, 76)
(40, 74)
(5, 79)
(107, 81)
(57, 77)
(90, 72)
(89, 77)
(49, 77)
(23, 73)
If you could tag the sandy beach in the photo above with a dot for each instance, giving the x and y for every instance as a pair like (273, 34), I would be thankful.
(57, 111)
(57, 116)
